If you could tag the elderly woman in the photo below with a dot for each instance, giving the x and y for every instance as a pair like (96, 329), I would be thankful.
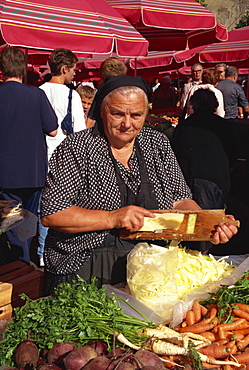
(106, 178)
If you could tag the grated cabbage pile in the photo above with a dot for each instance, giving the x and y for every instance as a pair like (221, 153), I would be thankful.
(159, 277)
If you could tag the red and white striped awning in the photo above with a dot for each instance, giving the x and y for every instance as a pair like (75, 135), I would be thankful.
(85, 27)
(170, 24)
(234, 51)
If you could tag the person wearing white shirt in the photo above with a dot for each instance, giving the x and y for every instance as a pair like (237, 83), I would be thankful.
(196, 73)
(62, 64)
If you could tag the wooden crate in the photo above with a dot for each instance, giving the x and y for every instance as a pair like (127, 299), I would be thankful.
(17, 278)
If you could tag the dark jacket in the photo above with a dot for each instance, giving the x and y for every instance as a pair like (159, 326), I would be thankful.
(204, 147)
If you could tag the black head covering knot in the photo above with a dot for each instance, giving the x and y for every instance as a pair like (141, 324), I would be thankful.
(111, 83)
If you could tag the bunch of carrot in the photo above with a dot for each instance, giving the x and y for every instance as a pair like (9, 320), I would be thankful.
(230, 340)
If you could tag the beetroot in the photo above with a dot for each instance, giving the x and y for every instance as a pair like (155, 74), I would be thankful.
(58, 352)
(125, 366)
(99, 346)
(49, 367)
(148, 358)
(98, 363)
(116, 352)
(26, 354)
(79, 357)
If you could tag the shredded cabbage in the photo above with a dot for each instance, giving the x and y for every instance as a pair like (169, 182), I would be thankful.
(159, 277)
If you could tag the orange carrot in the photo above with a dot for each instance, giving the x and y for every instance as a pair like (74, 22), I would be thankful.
(197, 329)
(213, 312)
(214, 321)
(242, 358)
(244, 325)
(215, 350)
(242, 331)
(230, 326)
(221, 333)
(210, 336)
(241, 313)
(204, 310)
(227, 367)
(244, 342)
(232, 346)
(190, 317)
(237, 336)
(221, 342)
(197, 311)
(242, 306)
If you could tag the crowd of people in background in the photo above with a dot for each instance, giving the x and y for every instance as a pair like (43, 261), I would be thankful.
(200, 160)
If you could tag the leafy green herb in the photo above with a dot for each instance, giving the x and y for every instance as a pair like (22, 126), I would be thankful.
(76, 313)
(226, 295)
(195, 358)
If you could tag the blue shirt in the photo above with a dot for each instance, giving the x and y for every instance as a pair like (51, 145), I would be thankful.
(234, 97)
(26, 116)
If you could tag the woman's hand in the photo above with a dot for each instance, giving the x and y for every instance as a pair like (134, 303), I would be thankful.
(224, 232)
(130, 218)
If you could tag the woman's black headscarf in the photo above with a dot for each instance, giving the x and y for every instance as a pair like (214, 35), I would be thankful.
(111, 83)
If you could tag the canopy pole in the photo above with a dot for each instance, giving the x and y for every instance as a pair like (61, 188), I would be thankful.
(135, 70)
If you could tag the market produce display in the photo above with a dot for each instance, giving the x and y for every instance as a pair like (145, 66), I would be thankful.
(82, 327)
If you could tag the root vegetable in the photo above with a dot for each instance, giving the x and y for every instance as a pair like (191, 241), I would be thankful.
(79, 357)
(99, 346)
(98, 363)
(49, 367)
(26, 353)
(58, 352)
(125, 366)
(116, 352)
(148, 358)
(215, 350)
(197, 329)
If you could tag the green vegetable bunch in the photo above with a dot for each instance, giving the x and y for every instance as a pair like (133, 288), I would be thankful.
(76, 313)
(227, 295)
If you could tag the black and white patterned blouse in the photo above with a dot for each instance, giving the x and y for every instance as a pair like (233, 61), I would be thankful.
(82, 174)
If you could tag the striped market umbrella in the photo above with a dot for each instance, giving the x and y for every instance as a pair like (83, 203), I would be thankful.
(170, 24)
(83, 26)
(149, 65)
(235, 51)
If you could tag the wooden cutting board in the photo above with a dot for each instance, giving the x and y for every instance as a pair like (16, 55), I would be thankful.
(206, 222)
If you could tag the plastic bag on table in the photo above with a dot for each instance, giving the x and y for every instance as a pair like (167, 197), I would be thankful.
(27, 227)
(151, 277)
(24, 223)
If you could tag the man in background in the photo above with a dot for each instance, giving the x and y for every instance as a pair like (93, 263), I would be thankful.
(221, 69)
(233, 94)
(26, 117)
(62, 63)
(196, 74)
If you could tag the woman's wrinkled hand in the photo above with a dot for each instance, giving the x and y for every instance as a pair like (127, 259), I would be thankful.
(224, 232)
(130, 218)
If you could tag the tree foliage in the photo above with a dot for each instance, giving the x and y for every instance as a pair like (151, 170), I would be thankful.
(202, 2)
(244, 21)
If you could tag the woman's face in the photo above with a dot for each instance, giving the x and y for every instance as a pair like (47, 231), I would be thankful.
(123, 117)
